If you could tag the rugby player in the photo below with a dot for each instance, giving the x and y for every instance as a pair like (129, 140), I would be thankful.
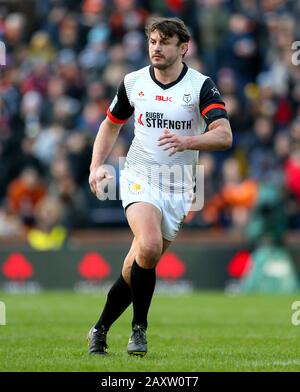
(177, 112)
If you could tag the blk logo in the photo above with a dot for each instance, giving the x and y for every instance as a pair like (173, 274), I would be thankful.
(163, 99)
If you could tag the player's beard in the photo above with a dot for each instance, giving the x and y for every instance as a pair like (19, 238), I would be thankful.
(163, 66)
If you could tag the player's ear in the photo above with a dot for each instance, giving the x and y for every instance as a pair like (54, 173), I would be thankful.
(184, 48)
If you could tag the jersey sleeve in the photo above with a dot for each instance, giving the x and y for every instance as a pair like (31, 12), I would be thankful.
(120, 109)
(211, 105)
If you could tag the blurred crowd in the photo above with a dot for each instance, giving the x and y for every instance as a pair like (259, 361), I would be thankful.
(64, 62)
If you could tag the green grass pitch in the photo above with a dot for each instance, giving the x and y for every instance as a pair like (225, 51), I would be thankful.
(193, 332)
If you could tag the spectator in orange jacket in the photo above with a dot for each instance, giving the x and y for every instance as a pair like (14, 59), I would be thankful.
(24, 193)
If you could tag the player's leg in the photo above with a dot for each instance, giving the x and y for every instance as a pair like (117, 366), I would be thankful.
(117, 301)
(145, 222)
(119, 296)
(129, 259)
(126, 270)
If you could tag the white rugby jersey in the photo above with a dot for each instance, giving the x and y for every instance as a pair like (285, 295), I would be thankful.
(185, 106)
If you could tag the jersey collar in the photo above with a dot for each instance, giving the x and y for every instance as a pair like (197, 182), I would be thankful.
(168, 85)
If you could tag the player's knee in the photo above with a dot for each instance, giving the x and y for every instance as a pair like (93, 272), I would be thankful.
(149, 251)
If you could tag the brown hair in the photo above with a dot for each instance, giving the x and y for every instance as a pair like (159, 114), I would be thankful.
(168, 27)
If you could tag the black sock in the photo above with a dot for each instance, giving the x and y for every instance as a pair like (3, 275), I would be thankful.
(142, 285)
(118, 300)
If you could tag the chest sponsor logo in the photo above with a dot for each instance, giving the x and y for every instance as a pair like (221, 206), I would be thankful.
(163, 99)
(157, 120)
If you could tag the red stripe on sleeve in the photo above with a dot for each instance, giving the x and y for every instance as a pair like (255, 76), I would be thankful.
(212, 106)
(113, 118)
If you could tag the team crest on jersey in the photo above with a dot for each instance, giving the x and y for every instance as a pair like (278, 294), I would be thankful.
(187, 98)
(188, 104)
(135, 188)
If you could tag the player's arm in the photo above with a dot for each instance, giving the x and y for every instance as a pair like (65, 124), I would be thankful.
(218, 135)
(119, 111)
(212, 108)
(104, 142)
(106, 137)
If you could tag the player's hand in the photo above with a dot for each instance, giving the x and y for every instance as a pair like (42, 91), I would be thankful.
(98, 179)
(172, 140)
